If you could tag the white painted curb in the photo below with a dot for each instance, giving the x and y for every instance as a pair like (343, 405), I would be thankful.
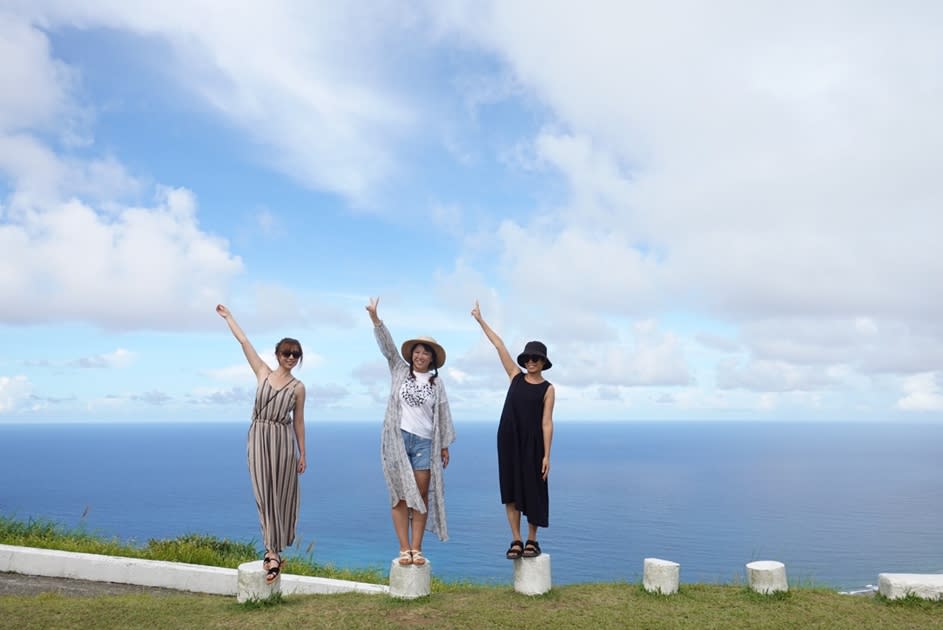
(158, 573)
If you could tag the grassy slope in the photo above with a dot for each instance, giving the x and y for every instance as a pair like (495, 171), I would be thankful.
(451, 605)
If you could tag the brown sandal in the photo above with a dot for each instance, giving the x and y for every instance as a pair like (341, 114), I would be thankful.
(272, 574)
(531, 549)
(515, 551)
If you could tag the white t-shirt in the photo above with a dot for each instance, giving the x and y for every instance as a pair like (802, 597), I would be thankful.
(416, 399)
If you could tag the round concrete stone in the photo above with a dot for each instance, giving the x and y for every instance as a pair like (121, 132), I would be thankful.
(767, 576)
(661, 576)
(251, 584)
(411, 581)
(532, 575)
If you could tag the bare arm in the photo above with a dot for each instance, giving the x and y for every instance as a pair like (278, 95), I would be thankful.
(255, 362)
(509, 365)
(299, 424)
(547, 426)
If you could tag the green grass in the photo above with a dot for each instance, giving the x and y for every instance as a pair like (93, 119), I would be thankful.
(190, 548)
(451, 605)
(596, 606)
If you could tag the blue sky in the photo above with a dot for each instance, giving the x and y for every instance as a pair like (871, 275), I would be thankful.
(723, 213)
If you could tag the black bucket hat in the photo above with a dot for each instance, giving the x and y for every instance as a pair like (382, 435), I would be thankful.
(536, 349)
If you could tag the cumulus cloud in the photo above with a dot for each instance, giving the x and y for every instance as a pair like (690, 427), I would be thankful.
(653, 358)
(923, 392)
(43, 86)
(327, 394)
(224, 397)
(14, 391)
(73, 247)
(153, 397)
(290, 75)
(719, 343)
(143, 267)
(118, 359)
(772, 376)
(231, 373)
(769, 171)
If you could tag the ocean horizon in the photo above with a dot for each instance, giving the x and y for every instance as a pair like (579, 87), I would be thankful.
(838, 503)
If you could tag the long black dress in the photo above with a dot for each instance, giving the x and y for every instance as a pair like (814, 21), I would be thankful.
(521, 450)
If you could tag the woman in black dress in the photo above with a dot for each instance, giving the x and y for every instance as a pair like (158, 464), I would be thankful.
(524, 437)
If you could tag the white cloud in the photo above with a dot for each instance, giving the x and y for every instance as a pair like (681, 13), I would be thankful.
(236, 373)
(71, 248)
(153, 397)
(304, 80)
(141, 267)
(120, 358)
(456, 375)
(719, 343)
(327, 394)
(215, 396)
(924, 392)
(14, 391)
(772, 376)
(38, 90)
(753, 169)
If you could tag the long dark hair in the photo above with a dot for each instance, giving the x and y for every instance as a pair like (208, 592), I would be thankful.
(435, 362)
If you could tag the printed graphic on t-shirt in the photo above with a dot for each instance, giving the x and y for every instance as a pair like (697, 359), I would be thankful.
(414, 393)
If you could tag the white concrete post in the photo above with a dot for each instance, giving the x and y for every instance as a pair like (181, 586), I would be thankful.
(251, 584)
(410, 581)
(532, 575)
(661, 576)
(899, 585)
(767, 576)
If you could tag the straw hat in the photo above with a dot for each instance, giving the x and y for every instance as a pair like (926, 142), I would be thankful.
(407, 349)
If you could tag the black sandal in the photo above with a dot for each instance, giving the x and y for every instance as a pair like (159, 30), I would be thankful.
(531, 549)
(515, 550)
(272, 574)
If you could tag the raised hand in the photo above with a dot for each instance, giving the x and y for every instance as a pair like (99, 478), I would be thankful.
(372, 309)
(476, 312)
(223, 311)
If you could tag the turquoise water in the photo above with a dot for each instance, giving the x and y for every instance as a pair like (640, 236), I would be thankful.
(838, 503)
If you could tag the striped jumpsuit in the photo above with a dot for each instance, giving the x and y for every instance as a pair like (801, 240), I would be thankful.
(273, 464)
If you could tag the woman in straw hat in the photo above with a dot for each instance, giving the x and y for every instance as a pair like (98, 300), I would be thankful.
(524, 437)
(417, 432)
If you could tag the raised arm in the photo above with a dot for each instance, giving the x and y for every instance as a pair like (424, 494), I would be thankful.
(382, 334)
(509, 365)
(255, 362)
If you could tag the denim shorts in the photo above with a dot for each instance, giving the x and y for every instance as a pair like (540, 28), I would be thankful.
(418, 449)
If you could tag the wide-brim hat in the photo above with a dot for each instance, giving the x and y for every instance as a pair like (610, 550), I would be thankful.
(407, 349)
(536, 349)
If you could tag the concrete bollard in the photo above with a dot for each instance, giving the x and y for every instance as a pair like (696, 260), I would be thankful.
(767, 576)
(251, 584)
(532, 575)
(661, 576)
(922, 585)
(411, 581)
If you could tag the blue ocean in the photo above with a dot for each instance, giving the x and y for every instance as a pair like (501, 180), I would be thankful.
(837, 503)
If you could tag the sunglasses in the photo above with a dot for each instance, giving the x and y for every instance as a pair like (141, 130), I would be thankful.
(293, 354)
(527, 358)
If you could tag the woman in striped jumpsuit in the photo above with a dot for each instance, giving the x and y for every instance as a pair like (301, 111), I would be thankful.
(276, 443)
